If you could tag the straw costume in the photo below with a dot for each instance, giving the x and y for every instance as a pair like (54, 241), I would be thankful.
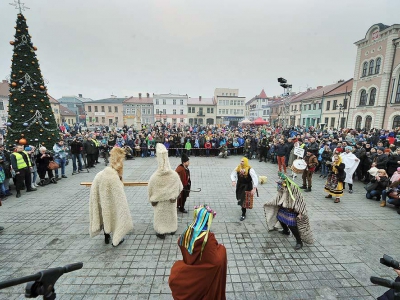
(289, 208)
(202, 272)
(163, 189)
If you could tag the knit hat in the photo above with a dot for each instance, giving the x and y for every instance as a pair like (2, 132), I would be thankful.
(184, 158)
(165, 183)
(373, 171)
(348, 148)
(380, 148)
(28, 148)
(339, 150)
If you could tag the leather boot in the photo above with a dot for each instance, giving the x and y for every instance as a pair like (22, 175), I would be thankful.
(308, 190)
(303, 187)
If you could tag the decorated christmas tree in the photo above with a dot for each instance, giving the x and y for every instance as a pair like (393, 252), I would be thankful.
(30, 118)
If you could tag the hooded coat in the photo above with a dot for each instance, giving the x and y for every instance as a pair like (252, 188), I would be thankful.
(108, 206)
(163, 188)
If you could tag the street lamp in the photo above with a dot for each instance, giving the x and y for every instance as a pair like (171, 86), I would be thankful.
(341, 110)
(287, 88)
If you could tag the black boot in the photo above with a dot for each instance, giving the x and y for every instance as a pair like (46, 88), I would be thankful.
(308, 190)
(107, 238)
(285, 232)
(18, 194)
(298, 246)
(303, 187)
(160, 236)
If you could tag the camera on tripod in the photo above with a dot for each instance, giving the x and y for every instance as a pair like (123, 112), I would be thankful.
(394, 293)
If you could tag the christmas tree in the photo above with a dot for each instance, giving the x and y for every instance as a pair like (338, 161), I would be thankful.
(30, 118)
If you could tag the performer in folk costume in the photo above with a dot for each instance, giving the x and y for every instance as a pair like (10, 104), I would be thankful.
(289, 208)
(184, 175)
(245, 179)
(334, 182)
(108, 208)
(202, 272)
(164, 187)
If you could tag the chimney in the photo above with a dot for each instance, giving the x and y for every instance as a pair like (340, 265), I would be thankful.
(140, 95)
(4, 81)
(80, 95)
(319, 87)
(199, 98)
(148, 95)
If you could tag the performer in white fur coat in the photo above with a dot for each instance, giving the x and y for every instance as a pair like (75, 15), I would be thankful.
(164, 187)
(108, 208)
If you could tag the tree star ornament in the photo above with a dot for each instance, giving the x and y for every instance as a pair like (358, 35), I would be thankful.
(19, 5)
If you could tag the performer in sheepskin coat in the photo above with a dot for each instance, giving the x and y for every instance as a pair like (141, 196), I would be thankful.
(164, 187)
(108, 208)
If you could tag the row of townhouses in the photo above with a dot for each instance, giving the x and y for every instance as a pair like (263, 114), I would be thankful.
(369, 100)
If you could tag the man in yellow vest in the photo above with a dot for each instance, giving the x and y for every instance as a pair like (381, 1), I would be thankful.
(22, 167)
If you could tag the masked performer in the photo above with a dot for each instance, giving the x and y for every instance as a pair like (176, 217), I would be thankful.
(245, 179)
(202, 272)
(184, 175)
(108, 208)
(164, 187)
(289, 208)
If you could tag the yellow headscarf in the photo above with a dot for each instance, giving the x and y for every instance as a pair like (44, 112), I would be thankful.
(246, 167)
(336, 163)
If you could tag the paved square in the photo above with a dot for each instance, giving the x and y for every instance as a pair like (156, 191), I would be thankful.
(49, 228)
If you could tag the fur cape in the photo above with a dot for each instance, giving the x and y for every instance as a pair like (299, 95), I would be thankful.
(283, 199)
(164, 185)
(108, 207)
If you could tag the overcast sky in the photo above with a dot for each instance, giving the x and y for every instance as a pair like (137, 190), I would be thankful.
(122, 47)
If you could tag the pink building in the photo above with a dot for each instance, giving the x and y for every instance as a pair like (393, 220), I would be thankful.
(375, 100)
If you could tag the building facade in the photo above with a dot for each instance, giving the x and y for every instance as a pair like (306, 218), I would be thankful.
(67, 115)
(336, 108)
(376, 90)
(138, 110)
(170, 108)
(230, 107)
(201, 111)
(257, 107)
(77, 105)
(55, 107)
(105, 112)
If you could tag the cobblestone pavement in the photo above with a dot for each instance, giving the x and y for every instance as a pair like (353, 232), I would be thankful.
(49, 228)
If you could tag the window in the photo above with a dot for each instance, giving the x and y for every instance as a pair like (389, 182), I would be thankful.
(193, 109)
(368, 122)
(109, 109)
(182, 120)
(164, 111)
(116, 109)
(189, 110)
(90, 119)
(309, 106)
(212, 110)
(174, 101)
(181, 111)
(157, 102)
(181, 104)
(377, 65)
(148, 111)
(200, 111)
(371, 67)
(334, 106)
(304, 121)
(208, 110)
(128, 111)
(55, 110)
(363, 98)
(96, 109)
(314, 106)
(372, 96)
(157, 111)
(116, 119)
(358, 122)
(164, 101)
(326, 121)
(97, 119)
(343, 122)
(103, 120)
(223, 94)
(102, 109)
(332, 122)
(397, 99)
(345, 104)
(365, 67)
(143, 110)
(328, 105)
(396, 122)
(174, 111)
(89, 109)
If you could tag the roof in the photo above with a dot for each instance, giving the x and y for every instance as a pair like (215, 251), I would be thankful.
(53, 100)
(168, 95)
(4, 88)
(382, 27)
(320, 91)
(203, 101)
(262, 94)
(139, 100)
(346, 86)
(110, 100)
(74, 99)
(66, 112)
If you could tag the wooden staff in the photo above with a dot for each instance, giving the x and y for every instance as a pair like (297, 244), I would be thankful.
(126, 183)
